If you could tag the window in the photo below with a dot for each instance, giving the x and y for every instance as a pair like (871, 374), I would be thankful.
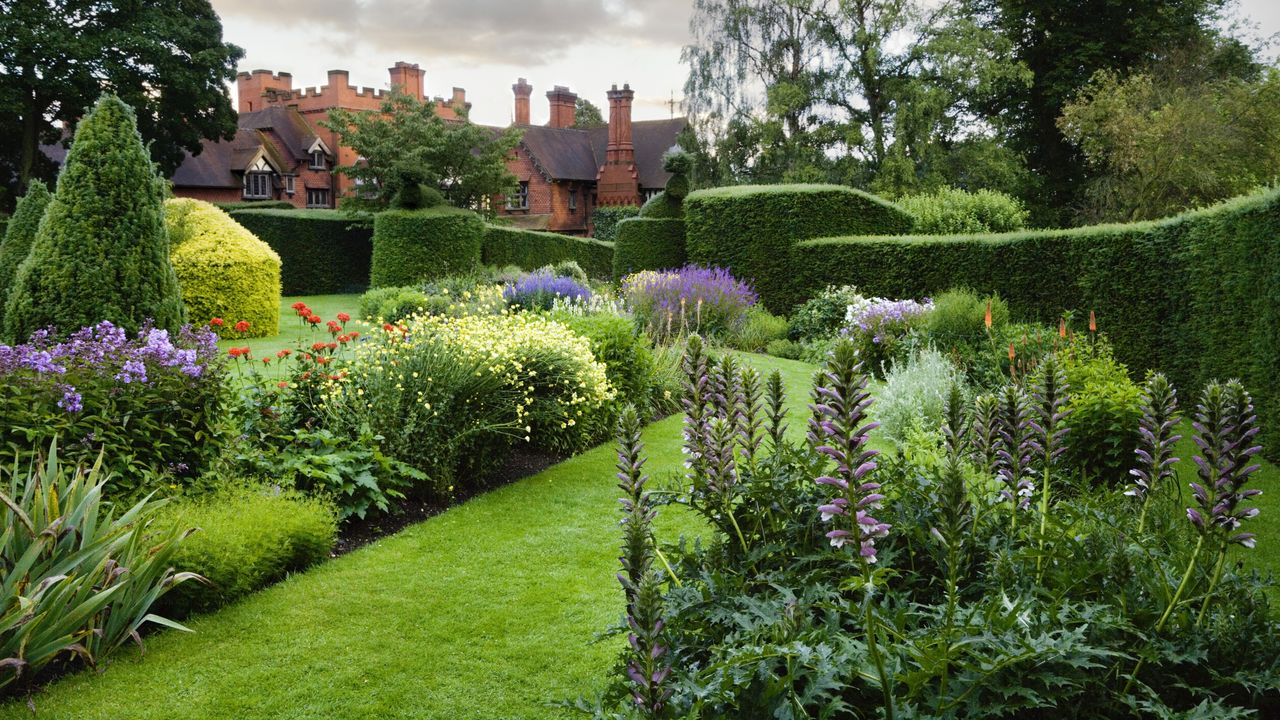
(257, 185)
(290, 186)
(317, 197)
(573, 199)
(519, 201)
(317, 160)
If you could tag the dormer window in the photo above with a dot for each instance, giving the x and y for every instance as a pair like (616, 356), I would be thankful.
(317, 160)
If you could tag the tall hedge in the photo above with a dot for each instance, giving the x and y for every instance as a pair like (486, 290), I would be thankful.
(1197, 295)
(750, 229)
(18, 236)
(605, 219)
(321, 251)
(410, 246)
(531, 249)
(648, 244)
(223, 269)
(101, 252)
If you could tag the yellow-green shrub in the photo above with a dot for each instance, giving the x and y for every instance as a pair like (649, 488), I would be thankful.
(224, 270)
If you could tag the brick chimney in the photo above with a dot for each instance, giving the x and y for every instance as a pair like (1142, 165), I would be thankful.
(339, 79)
(523, 90)
(408, 77)
(618, 182)
(563, 107)
(250, 87)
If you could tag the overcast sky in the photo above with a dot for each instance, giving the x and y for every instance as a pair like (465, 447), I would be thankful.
(484, 45)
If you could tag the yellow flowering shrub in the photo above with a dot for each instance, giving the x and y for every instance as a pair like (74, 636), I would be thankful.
(223, 269)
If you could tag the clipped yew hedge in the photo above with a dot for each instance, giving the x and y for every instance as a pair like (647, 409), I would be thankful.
(648, 244)
(750, 229)
(321, 251)
(1197, 295)
(410, 246)
(224, 271)
(530, 249)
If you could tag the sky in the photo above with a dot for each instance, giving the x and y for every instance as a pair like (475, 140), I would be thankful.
(483, 46)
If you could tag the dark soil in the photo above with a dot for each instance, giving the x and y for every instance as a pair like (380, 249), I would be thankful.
(356, 533)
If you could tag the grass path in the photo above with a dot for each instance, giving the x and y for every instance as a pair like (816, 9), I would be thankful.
(487, 611)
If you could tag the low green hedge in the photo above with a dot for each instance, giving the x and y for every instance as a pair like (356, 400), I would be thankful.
(255, 205)
(531, 249)
(648, 244)
(750, 229)
(321, 251)
(1194, 295)
(245, 539)
(410, 246)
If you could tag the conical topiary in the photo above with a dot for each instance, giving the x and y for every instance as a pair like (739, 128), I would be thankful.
(21, 232)
(101, 252)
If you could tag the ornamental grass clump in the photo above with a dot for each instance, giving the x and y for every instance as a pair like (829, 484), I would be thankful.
(151, 401)
(693, 299)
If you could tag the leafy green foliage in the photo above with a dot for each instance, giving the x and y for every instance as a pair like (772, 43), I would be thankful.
(531, 249)
(407, 145)
(245, 538)
(823, 314)
(648, 244)
(749, 230)
(758, 330)
(168, 60)
(1105, 406)
(102, 252)
(605, 219)
(586, 115)
(321, 251)
(950, 211)
(626, 354)
(80, 574)
(1158, 146)
(19, 234)
(914, 394)
(224, 271)
(414, 245)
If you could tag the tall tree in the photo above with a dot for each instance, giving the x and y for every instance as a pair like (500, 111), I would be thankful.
(586, 114)
(101, 251)
(166, 58)
(1064, 44)
(407, 145)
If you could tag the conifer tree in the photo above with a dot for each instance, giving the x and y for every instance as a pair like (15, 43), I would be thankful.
(102, 252)
(16, 244)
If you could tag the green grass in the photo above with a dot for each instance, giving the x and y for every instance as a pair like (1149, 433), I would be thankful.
(293, 332)
(490, 610)
(487, 611)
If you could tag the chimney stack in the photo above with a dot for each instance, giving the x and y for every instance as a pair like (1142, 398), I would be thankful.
(563, 107)
(338, 79)
(522, 90)
(620, 149)
(408, 77)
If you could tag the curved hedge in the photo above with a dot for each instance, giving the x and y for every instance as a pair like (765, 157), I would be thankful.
(648, 244)
(750, 229)
(531, 250)
(223, 270)
(321, 251)
(1197, 295)
(410, 246)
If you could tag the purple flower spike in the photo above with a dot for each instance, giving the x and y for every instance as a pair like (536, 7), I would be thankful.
(1156, 438)
(1225, 426)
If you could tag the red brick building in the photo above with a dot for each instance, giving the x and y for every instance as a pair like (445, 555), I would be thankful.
(565, 172)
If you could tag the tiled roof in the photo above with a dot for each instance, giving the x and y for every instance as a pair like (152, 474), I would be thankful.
(561, 153)
(651, 139)
(287, 123)
(217, 164)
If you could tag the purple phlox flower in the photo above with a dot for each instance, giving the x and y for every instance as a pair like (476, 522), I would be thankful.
(71, 400)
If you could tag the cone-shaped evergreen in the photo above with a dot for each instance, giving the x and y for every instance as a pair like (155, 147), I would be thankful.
(101, 252)
(21, 232)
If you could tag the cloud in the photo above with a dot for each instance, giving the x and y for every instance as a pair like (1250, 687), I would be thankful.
(528, 33)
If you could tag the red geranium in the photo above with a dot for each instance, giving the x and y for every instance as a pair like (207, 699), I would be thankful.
(314, 319)
(284, 353)
(242, 326)
(298, 305)
(343, 317)
(332, 346)
(216, 322)
(234, 352)
(344, 339)
(317, 346)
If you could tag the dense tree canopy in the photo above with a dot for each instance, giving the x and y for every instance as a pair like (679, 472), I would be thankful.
(586, 114)
(165, 58)
(407, 145)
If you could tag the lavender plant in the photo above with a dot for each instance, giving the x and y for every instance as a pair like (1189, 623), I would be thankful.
(539, 290)
(1017, 446)
(646, 668)
(1156, 441)
(669, 304)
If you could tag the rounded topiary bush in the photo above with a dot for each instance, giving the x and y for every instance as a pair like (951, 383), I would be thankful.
(224, 270)
(101, 252)
(410, 246)
(19, 235)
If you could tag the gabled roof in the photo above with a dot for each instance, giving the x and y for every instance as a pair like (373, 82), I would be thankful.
(288, 124)
(651, 139)
(561, 153)
(219, 161)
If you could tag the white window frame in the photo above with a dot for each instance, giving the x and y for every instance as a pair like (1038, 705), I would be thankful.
(318, 159)
(290, 184)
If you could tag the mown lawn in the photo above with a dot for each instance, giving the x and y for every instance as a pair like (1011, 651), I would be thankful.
(490, 611)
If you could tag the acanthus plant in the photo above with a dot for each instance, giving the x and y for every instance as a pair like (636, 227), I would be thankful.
(1017, 447)
(1156, 440)
(1050, 399)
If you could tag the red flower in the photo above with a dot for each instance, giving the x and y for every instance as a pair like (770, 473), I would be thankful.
(282, 384)
(388, 327)
(344, 339)
(266, 361)
(306, 375)
(335, 377)
(343, 317)
(323, 360)
(234, 352)
(317, 346)
(242, 326)
(332, 346)
(354, 335)
(298, 305)
(216, 322)
(284, 354)
(314, 319)
(245, 351)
